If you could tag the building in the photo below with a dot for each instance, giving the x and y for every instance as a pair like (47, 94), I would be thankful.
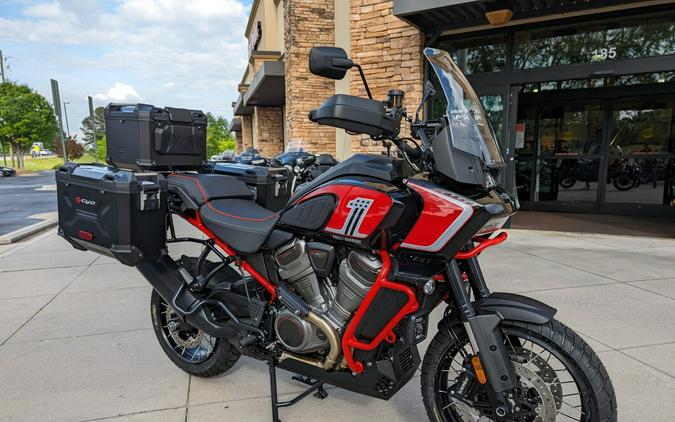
(581, 93)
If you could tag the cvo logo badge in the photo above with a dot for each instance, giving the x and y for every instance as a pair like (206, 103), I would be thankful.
(80, 200)
(358, 208)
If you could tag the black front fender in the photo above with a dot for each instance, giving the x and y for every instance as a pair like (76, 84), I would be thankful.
(515, 307)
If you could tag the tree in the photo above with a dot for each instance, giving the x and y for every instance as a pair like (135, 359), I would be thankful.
(101, 146)
(88, 125)
(25, 117)
(74, 149)
(218, 137)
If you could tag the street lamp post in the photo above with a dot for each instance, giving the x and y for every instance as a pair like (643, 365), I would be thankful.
(65, 111)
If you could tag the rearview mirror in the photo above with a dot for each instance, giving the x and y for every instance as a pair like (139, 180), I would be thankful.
(329, 62)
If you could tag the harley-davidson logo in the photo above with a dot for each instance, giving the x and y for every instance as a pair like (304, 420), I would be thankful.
(358, 208)
(80, 200)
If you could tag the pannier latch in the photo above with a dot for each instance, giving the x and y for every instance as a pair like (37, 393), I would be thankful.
(149, 197)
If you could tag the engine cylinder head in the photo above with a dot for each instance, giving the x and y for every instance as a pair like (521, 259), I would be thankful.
(357, 275)
(296, 268)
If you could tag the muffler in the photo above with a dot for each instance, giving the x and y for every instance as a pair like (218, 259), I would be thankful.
(163, 276)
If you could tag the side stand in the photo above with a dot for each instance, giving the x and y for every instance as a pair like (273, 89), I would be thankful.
(276, 404)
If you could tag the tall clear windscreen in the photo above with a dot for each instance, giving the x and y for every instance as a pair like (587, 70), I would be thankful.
(469, 125)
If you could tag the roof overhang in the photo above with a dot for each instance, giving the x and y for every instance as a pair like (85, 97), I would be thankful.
(235, 125)
(240, 109)
(268, 87)
(438, 16)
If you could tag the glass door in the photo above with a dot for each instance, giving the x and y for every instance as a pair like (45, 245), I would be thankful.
(639, 168)
(559, 153)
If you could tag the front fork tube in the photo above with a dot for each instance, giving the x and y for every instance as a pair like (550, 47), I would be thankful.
(483, 330)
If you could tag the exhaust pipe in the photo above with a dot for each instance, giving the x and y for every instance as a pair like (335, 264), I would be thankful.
(163, 277)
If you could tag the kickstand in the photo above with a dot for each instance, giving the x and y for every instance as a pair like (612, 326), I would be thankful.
(321, 393)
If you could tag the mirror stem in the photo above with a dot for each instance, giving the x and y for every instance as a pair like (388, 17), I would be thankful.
(363, 78)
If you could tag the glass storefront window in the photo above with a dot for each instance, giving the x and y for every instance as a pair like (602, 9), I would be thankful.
(567, 180)
(641, 127)
(570, 130)
(477, 55)
(640, 181)
(613, 81)
(597, 43)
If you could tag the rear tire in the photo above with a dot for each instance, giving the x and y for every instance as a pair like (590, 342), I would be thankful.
(594, 386)
(221, 355)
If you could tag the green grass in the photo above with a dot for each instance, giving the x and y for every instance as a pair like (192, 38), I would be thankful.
(41, 164)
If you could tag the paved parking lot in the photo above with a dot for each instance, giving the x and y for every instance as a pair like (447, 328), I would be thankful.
(26, 200)
(76, 342)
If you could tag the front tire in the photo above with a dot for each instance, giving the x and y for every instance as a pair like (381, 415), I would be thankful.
(190, 349)
(586, 374)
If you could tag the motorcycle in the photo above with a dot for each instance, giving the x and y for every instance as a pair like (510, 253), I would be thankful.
(338, 286)
(251, 156)
(302, 165)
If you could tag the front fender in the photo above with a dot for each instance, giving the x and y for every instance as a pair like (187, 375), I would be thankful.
(515, 307)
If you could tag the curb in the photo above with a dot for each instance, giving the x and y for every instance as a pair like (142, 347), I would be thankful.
(28, 231)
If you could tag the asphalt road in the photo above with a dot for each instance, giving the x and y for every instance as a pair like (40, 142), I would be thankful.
(24, 198)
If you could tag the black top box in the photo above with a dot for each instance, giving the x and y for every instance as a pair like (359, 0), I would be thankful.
(145, 137)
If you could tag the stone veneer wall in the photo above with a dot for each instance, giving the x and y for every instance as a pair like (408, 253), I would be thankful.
(268, 122)
(308, 23)
(238, 142)
(246, 132)
(390, 52)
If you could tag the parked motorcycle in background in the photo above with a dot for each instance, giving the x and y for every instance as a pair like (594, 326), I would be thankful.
(303, 165)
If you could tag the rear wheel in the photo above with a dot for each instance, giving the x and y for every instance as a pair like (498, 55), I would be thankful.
(560, 378)
(192, 350)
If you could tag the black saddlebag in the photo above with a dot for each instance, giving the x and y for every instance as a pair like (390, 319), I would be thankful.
(271, 185)
(113, 212)
(145, 137)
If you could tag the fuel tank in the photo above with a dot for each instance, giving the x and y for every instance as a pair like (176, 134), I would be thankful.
(356, 210)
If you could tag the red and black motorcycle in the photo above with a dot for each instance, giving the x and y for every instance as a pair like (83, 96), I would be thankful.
(338, 286)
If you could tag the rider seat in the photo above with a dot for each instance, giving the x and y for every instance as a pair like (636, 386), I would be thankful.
(226, 207)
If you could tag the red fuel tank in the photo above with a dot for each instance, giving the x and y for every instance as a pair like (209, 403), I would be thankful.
(358, 211)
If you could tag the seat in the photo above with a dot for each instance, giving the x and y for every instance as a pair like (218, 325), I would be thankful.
(241, 223)
(197, 189)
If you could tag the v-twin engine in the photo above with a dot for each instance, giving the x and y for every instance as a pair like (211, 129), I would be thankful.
(357, 272)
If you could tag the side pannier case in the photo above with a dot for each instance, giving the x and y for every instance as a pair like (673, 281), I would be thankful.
(113, 212)
(145, 137)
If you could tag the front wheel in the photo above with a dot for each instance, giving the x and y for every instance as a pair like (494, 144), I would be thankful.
(192, 350)
(560, 378)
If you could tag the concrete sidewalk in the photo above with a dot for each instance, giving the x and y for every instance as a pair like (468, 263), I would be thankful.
(76, 341)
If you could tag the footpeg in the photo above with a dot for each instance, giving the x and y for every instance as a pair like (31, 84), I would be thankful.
(249, 340)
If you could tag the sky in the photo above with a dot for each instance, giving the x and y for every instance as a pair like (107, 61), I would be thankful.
(174, 53)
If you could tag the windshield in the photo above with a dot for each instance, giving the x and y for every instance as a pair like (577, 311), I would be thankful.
(470, 128)
(295, 145)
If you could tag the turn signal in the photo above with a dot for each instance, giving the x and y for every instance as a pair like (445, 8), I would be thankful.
(478, 370)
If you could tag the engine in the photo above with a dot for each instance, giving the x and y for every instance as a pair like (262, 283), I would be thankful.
(299, 265)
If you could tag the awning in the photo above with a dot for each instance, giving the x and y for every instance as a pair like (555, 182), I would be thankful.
(436, 16)
(267, 88)
(239, 109)
(235, 125)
